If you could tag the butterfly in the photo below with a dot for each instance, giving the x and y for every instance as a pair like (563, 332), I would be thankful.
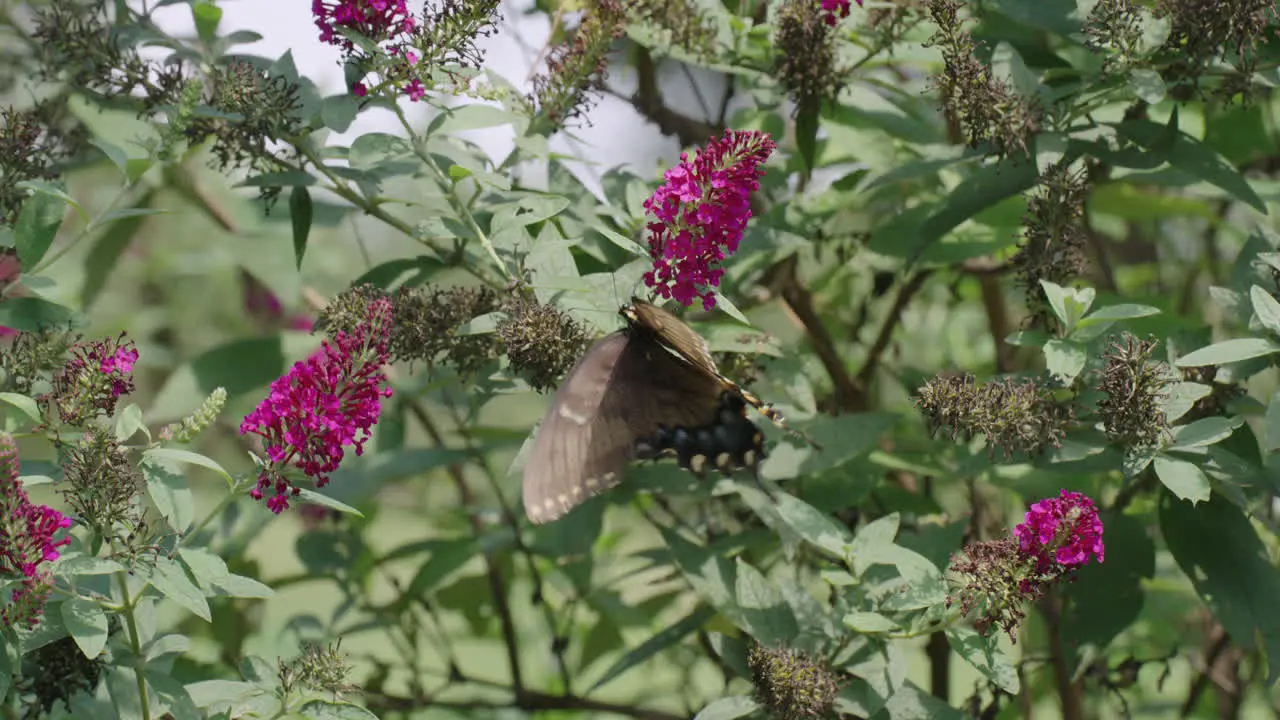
(649, 390)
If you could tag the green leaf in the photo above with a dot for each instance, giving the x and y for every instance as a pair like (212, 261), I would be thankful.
(1271, 436)
(107, 248)
(806, 132)
(1266, 308)
(1204, 432)
(171, 579)
(170, 493)
(728, 708)
(25, 404)
(1098, 322)
(985, 655)
(207, 692)
(1229, 566)
(206, 16)
(909, 234)
(445, 560)
(114, 153)
(811, 524)
(1064, 359)
(1228, 351)
(186, 457)
(75, 564)
(1192, 156)
(172, 696)
(660, 641)
(32, 314)
(326, 710)
(337, 112)
(1181, 397)
(737, 590)
(316, 498)
(869, 623)
(1147, 85)
(171, 644)
(130, 421)
(87, 624)
(300, 216)
(1184, 480)
(37, 225)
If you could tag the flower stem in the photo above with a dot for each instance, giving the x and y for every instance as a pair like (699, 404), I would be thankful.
(135, 643)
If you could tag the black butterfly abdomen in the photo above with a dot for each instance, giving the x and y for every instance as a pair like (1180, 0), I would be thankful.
(729, 442)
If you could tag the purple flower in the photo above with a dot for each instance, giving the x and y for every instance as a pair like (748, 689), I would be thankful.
(1065, 530)
(701, 213)
(325, 403)
(26, 541)
(387, 23)
(835, 10)
(93, 379)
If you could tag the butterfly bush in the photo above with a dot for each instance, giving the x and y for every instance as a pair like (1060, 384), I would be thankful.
(27, 542)
(324, 404)
(998, 577)
(92, 380)
(701, 213)
(385, 22)
(1063, 530)
(834, 10)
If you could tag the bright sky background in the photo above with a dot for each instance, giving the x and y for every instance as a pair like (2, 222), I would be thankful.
(288, 24)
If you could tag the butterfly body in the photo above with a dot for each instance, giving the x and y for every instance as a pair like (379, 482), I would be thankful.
(648, 391)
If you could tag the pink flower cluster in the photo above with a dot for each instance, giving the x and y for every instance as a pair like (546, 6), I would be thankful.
(997, 577)
(834, 10)
(325, 403)
(26, 541)
(1064, 530)
(386, 23)
(93, 379)
(701, 213)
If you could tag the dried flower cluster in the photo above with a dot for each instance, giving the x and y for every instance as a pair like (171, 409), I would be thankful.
(1013, 416)
(92, 380)
(1115, 26)
(32, 357)
(984, 109)
(320, 667)
(102, 487)
(400, 50)
(1054, 236)
(252, 109)
(34, 144)
(255, 109)
(1134, 388)
(790, 684)
(28, 542)
(701, 213)
(997, 577)
(541, 341)
(56, 672)
(577, 69)
(429, 324)
(805, 53)
(682, 23)
(1207, 33)
(324, 404)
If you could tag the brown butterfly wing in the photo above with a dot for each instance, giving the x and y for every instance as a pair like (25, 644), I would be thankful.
(674, 333)
(624, 388)
(683, 340)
